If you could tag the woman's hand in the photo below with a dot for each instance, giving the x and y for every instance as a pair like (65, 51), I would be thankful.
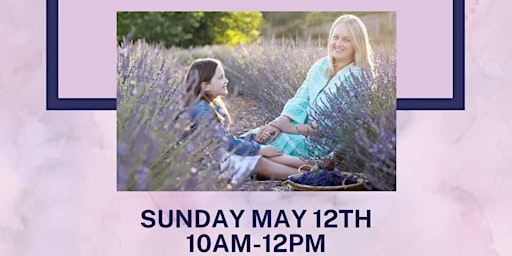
(269, 151)
(263, 134)
(266, 132)
(306, 129)
(281, 122)
(273, 129)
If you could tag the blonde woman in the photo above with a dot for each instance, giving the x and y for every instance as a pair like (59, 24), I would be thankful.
(348, 52)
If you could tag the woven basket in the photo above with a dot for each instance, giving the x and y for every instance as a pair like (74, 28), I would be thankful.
(350, 187)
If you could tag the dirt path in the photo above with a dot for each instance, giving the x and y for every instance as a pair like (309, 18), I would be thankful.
(245, 114)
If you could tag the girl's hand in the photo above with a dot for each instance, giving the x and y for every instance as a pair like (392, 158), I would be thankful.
(273, 129)
(269, 151)
(263, 134)
(275, 132)
(266, 132)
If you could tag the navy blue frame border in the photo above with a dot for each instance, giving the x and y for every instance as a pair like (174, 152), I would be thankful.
(53, 102)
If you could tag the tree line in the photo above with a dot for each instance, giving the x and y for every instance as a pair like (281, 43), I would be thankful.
(185, 29)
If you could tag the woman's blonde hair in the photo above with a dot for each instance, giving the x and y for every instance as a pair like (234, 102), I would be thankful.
(363, 53)
(203, 70)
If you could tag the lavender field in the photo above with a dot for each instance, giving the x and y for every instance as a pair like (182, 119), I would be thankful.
(154, 154)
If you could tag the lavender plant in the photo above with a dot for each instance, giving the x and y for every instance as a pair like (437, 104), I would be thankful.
(157, 151)
(155, 148)
(378, 151)
(359, 128)
(271, 72)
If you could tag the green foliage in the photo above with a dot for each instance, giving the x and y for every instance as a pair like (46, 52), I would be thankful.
(168, 28)
(239, 28)
(283, 18)
(184, 29)
(315, 25)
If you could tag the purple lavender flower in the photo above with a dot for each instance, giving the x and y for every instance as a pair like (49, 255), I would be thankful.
(142, 178)
(360, 126)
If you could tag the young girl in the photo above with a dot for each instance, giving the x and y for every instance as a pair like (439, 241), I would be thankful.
(207, 82)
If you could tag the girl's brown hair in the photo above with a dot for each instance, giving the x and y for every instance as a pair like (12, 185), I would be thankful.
(203, 70)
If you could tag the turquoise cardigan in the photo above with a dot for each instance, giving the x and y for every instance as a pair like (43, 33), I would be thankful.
(311, 93)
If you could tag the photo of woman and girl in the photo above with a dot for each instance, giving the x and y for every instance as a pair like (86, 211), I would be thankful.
(272, 151)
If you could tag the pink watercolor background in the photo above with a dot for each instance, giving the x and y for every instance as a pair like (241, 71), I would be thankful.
(58, 168)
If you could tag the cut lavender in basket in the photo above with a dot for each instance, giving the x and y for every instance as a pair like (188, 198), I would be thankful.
(324, 178)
